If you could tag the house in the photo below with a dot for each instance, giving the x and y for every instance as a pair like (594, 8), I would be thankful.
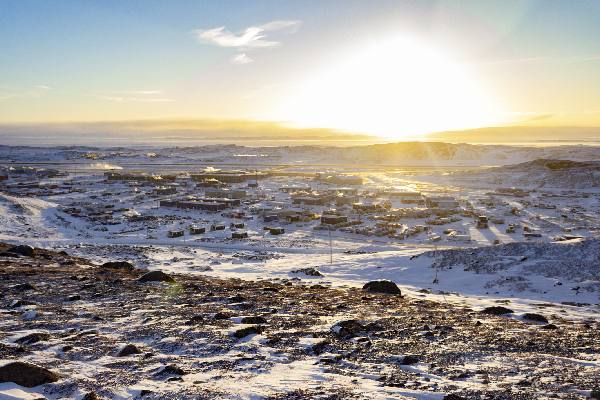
(217, 226)
(239, 235)
(295, 189)
(270, 218)
(312, 199)
(333, 219)
(276, 231)
(482, 222)
(197, 230)
(339, 179)
(199, 203)
(229, 176)
(225, 193)
(530, 235)
(175, 233)
(370, 207)
(165, 190)
(444, 202)
(406, 197)
(209, 183)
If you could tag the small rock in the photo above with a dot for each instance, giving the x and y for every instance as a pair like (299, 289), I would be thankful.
(74, 297)
(156, 276)
(91, 396)
(310, 271)
(382, 286)
(453, 396)
(33, 338)
(253, 320)
(410, 360)
(196, 319)
(221, 315)
(249, 330)
(23, 250)
(550, 327)
(497, 310)
(127, 266)
(21, 303)
(23, 287)
(347, 329)
(128, 350)
(29, 314)
(172, 370)
(535, 317)
(26, 374)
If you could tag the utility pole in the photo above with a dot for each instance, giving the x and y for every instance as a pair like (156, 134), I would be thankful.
(330, 248)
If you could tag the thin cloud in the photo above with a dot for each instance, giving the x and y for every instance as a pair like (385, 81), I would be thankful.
(35, 92)
(253, 37)
(133, 96)
(241, 59)
(556, 60)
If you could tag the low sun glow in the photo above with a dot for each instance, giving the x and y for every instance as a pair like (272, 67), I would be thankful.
(397, 88)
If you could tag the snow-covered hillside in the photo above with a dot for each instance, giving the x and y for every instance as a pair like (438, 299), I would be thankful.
(392, 154)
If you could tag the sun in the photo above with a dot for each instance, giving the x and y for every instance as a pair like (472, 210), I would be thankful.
(396, 88)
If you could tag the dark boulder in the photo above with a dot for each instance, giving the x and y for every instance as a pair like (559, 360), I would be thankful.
(249, 330)
(74, 297)
(22, 250)
(128, 350)
(156, 276)
(253, 320)
(453, 396)
(347, 329)
(497, 310)
(550, 327)
(410, 360)
(310, 271)
(172, 369)
(25, 374)
(90, 396)
(124, 265)
(222, 315)
(535, 317)
(382, 286)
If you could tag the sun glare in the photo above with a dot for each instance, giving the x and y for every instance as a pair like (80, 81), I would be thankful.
(394, 89)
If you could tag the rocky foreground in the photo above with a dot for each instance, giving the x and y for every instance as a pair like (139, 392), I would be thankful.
(72, 329)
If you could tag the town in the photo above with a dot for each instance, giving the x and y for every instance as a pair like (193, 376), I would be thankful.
(279, 207)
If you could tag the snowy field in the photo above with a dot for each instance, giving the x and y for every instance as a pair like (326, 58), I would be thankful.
(137, 228)
(538, 252)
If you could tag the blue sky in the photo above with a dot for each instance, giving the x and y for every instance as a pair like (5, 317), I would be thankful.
(107, 60)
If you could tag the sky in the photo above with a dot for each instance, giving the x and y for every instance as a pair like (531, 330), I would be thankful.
(389, 68)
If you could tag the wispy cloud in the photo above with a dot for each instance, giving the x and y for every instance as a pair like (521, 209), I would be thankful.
(241, 59)
(135, 96)
(556, 60)
(33, 92)
(251, 38)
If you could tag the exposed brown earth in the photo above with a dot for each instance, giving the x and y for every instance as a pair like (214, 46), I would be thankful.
(184, 337)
